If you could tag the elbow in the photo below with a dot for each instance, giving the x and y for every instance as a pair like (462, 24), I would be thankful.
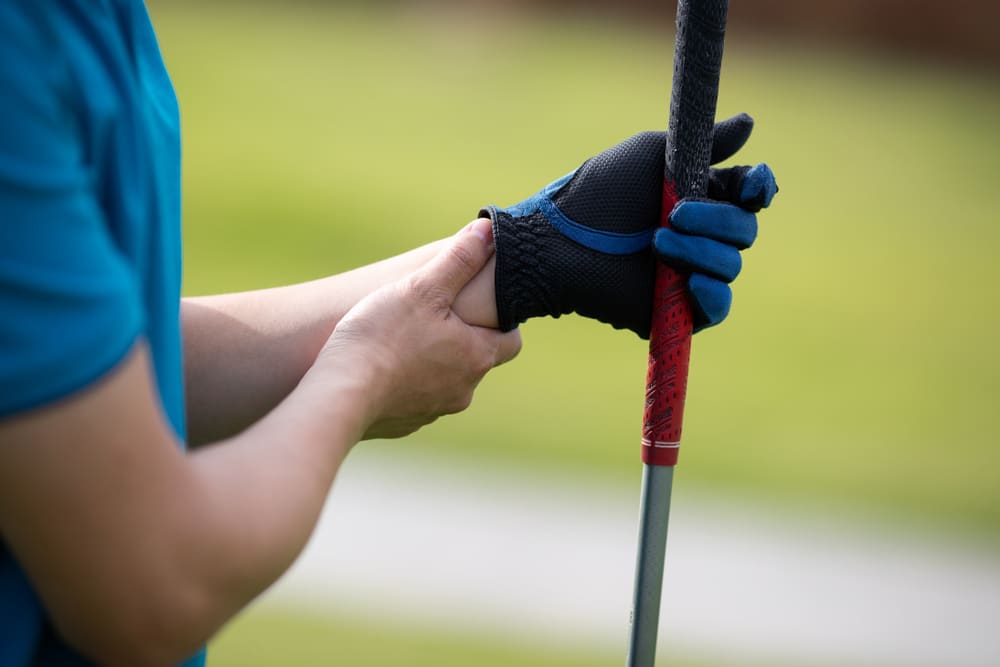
(149, 631)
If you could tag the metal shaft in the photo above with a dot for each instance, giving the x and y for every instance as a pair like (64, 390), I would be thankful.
(657, 483)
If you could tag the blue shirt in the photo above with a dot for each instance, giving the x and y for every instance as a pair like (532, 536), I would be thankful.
(90, 257)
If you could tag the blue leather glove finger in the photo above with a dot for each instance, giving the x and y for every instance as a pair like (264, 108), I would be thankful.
(698, 254)
(706, 237)
(715, 220)
(750, 188)
(710, 301)
(759, 187)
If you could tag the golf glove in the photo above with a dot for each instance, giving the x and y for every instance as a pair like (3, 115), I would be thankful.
(588, 242)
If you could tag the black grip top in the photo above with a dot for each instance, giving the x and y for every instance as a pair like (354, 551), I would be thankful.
(701, 31)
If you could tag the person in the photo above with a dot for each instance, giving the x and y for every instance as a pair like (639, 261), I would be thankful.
(164, 459)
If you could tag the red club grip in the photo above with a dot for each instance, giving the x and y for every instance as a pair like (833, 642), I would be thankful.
(669, 354)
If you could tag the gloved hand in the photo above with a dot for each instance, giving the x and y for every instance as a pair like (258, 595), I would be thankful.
(588, 242)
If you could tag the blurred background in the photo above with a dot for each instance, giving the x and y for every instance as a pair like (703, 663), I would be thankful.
(838, 497)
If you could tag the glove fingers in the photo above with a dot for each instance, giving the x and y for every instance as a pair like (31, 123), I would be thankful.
(759, 188)
(698, 254)
(729, 135)
(711, 300)
(751, 188)
(722, 222)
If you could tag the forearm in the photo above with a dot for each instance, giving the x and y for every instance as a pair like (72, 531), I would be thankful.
(104, 509)
(260, 494)
(245, 352)
(251, 505)
(167, 545)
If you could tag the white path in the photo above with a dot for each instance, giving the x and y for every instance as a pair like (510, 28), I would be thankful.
(545, 562)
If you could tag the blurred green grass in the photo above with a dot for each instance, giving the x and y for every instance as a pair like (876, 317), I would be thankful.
(278, 636)
(282, 637)
(858, 366)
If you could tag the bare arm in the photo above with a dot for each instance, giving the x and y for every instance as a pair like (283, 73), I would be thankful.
(245, 352)
(167, 546)
(140, 552)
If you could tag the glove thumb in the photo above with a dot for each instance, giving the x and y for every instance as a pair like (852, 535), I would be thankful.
(729, 135)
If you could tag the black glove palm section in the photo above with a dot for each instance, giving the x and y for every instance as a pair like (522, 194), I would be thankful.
(584, 243)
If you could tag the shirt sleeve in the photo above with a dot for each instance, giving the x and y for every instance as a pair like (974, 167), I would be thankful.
(69, 300)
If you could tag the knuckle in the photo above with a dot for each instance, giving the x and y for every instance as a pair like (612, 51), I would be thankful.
(461, 402)
(483, 362)
(428, 292)
(437, 297)
(455, 402)
(751, 231)
(466, 257)
(736, 264)
(511, 346)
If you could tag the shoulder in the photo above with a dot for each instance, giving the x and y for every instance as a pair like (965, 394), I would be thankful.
(68, 295)
(35, 82)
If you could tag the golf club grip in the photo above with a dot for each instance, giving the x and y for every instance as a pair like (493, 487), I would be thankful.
(701, 30)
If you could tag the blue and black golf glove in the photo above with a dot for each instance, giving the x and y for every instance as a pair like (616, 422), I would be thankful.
(588, 242)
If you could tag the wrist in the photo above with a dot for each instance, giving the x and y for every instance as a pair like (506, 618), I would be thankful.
(337, 405)
(542, 271)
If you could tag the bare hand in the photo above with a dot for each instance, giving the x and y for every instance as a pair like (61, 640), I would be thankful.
(416, 359)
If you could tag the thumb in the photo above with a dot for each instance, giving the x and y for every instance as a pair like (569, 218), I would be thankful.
(462, 257)
(728, 136)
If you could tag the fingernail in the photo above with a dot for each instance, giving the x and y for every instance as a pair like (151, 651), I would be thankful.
(483, 228)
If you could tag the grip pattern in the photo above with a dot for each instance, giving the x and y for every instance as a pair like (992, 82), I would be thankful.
(701, 32)
(669, 355)
(701, 28)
